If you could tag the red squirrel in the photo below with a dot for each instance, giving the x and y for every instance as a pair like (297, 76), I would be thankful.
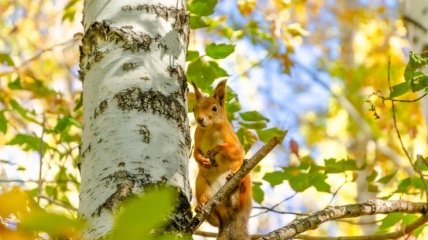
(219, 155)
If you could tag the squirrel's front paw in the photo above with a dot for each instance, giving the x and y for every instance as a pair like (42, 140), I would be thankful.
(199, 208)
(229, 175)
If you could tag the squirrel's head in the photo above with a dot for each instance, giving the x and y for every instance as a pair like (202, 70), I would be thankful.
(210, 111)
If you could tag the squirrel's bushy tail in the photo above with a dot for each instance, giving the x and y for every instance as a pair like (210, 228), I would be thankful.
(236, 228)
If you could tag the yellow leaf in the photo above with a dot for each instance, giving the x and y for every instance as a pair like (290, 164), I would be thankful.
(14, 201)
(246, 7)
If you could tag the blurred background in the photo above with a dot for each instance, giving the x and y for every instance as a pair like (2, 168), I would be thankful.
(315, 68)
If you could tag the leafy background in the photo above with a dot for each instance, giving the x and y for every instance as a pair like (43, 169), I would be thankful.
(323, 71)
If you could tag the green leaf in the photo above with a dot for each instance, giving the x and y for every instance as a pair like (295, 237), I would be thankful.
(3, 122)
(203, 73)
(202, 7)
(6, 59)
(15, 84)
(192, 55)
(219, 51)
(300, 182)
(253, 125)
(140, 216)
(320, 184)
(22, 111)
(197, 21)
(268, 134)
(65, 123)
(258, 193)
(28, 141)
(253, 116)
(399, 89)
(372, 176)
(275, 178)
(246, 137)
(387, 178)
(53, 224)
(409, 184)
(391, 220)
(372, 188)
(331, 166)
(417, 80)
(69, 10)
(421, 163)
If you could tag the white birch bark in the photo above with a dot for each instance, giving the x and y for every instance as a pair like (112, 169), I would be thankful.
(415, 15)
(136, 130)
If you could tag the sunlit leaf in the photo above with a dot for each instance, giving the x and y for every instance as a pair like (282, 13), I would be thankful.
(390, 220)
(319, 182)
(140, 216)
(6, 59)
(253, 116)
(275, 178)
(13, 201)
(219, 51)
(267, 134)
(258, 194)
(372, 176)
(15, 84)
(253, 125)
(3, 122)
(203, 73)
(400, 89)
(334, 166)
(51, 223)
(29, 142)
(202, 7)
(386, 179)
(197, 21)
(192, 55)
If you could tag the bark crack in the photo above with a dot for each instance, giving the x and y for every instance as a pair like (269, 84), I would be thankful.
(155, 102)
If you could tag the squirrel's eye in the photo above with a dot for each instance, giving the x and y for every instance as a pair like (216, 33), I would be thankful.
(215, 109)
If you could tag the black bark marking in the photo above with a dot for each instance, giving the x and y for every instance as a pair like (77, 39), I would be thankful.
(145, 78)
(145, 180)
(182, 214)
(125, 182)
(144, 133)
(100, 140)
(88, 149)
(124, 37)
(126, 8)
(121, 164)
(157, 103)
(129, 67)
(181, 78)
(101, 108)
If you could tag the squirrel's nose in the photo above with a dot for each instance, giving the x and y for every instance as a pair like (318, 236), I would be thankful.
(200, 120)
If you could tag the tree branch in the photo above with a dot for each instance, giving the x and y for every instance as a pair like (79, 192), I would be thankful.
(352, 210)
(231, 184)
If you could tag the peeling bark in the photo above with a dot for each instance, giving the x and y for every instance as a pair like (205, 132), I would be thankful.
(136, 132)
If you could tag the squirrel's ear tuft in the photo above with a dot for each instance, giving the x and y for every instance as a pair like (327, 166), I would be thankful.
(197, 92)
(220, 92)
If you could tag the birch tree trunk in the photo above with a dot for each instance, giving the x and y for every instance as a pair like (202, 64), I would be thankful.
(136, 130)
(415, 15)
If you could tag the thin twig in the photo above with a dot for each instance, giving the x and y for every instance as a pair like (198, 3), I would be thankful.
(274, 206)
(394, 118)
(401, 100)
(336, 192)
(272, 209)
(58, 203)
(231, 184)
(37, 55)
(41, 153)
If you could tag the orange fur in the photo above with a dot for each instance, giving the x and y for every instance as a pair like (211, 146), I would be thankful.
(219, 154)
